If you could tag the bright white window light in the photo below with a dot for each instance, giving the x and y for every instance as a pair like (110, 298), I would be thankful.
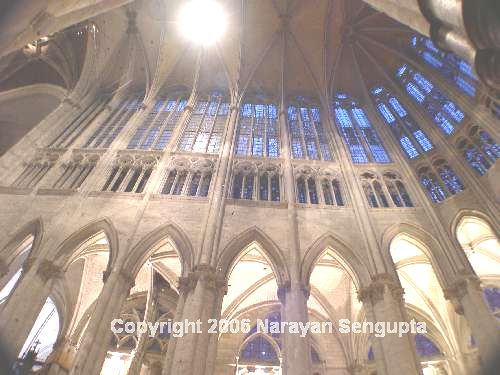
(202, 21)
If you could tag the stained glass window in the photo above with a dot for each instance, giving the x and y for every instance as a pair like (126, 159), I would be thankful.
(203, 131)
(156, 129)
(433, 187)
(425, 347)
(444, 113)
(118, 118)
(301, 190)
(358, 133)
(492, 296)
(479, 150)
(259, 349)
(412, 139)
(332, 194)
(79, 124)
(307, 136)
(258, 131)
(448, 64)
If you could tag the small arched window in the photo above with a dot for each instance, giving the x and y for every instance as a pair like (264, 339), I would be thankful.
(130, 175)
(332, 194)
(301, 190)
(479, 150)
(440, 181)
(397, 190)
(412, 139)
(444, 112)
(269, 186)
(307, 136)
(259, 349)
(448, 64)
(258, 131)
(357, 131)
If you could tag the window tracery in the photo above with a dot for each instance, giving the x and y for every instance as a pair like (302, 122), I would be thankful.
(479, 150)
(191, 177)
(362, 140)
(203, 131)
(444, 112)
(307, 135)
(316, 186)
(256, 181)
(157, 128)
(130, 173)
(75, 172)
(36, 169)
(440, 181)
(397, 190)
(258, 130)
(448, 64)
(374, 191)
(115, 122)
(79, 124)
(411, 138)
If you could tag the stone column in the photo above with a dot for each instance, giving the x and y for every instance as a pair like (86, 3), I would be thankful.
(24, 304)
(189, 353)
(383, 302)
(155, 368)
(467, 298)
(94, 345)
(296, 349)
(221, 291)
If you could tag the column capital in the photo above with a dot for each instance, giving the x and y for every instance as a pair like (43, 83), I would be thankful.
(287, 287)
(203, 273)
(459, 289)
(4, 267)
(374, 293)
(48, 270)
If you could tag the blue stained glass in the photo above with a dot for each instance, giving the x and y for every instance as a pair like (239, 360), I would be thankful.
(409, 148)
(434, 189)
(453, 111)
(423, 82)
(398, 107)
(425, 347)
(170, 105)
(247, 110)
(259, 349)
(466, 69)
(414, 91)
(272, 111)
(430, 45)
(451, 181)
(433, 60)
(371, 136)
(402, 70)
(377, 90)
(292, 113)
(384, 111)
(358, 154)
(445, 124)
(422, 139)
(477, 161)
(492, 296)
(259, 111)
(371, 355)
(465, 86)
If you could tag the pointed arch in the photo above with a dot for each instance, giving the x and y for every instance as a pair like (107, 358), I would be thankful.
(12, 249)
(144, 248)
(69, 250)
(425, 242)
(463, 214)
(351, 262)
(233, 249)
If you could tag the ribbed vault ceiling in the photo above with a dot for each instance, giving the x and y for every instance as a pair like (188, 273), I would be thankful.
(307, 48)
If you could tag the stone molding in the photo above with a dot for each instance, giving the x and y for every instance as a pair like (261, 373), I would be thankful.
(206, 274)
(48, 270)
